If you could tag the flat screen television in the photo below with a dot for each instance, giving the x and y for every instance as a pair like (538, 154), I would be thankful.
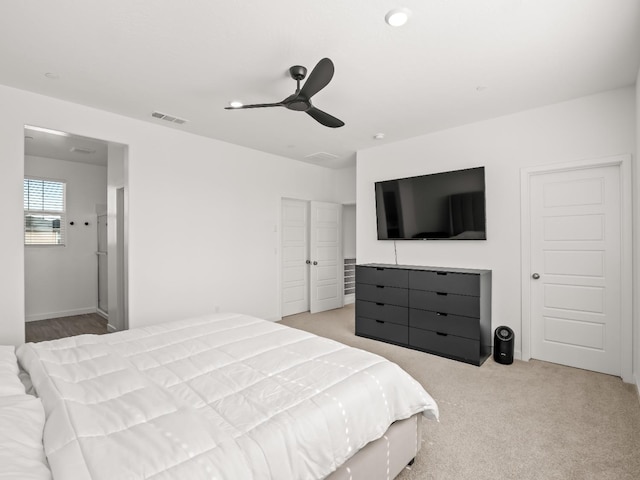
(439, 206)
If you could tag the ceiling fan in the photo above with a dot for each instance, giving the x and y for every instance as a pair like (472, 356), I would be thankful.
(319, 78)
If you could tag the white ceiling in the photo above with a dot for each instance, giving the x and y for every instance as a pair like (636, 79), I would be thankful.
(72, 148)
(454, 62)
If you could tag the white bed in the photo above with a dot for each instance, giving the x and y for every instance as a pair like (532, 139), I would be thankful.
(223, 396)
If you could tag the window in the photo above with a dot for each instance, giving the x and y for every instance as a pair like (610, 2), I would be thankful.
(44, 212)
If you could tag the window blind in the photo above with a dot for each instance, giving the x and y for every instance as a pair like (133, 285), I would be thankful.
(44, 212)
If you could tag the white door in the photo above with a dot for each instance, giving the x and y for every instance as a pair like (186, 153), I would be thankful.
(295, 255)
(326, 271)
(576, 268)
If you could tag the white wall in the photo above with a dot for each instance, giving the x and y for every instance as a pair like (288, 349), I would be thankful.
(589, 127)
(344, 186)
(636, 244)
(349, 231)
(202, 214)
(63, 280)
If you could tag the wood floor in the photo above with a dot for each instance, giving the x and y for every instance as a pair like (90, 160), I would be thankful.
(55, 328)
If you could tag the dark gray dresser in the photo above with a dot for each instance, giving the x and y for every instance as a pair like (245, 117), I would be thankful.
(444, 311)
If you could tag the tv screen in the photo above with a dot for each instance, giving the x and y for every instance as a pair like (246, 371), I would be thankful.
(440, 206)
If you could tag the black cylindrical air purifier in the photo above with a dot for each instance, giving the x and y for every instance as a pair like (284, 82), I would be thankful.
(503, 344)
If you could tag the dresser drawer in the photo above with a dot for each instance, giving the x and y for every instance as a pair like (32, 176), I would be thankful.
(447, 282)
(467, 327)
(382, 294)
(381, 311)
(448, 345)
(388, 277)
(390, 332)
(445, 303)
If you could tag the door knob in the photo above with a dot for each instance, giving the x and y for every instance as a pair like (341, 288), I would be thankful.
(315, 263)
(308, 262)
(535, 276)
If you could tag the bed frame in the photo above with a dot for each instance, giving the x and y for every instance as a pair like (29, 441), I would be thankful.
(386, 457)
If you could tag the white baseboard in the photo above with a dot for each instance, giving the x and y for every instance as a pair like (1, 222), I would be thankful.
(102, 313)
(65, 313)
(349, 299)
(636, 377)
(110, 328)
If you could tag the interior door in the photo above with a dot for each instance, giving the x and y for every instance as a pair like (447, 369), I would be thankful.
(326, 269)
(295, 254)
(576, 268)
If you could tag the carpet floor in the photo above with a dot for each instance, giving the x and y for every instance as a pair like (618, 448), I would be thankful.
(526, 421)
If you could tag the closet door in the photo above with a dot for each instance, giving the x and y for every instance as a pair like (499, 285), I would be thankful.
(295, 254)
(575, 282)
(326, 269)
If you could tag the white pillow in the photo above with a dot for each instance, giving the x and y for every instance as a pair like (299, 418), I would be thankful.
(21, 450)
(10, 383)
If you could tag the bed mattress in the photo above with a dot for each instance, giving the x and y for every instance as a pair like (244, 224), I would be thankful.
(225, 396)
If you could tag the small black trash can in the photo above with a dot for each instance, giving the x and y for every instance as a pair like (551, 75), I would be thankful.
(503, 343)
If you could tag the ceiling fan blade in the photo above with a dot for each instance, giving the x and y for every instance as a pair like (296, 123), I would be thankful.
(319, 78)
(256, 105)
(324, 118)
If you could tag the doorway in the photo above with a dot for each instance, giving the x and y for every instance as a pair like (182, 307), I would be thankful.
(576, 265)
(70, 277)
(312, 269)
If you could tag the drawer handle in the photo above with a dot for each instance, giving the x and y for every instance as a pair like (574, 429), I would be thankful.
(441, 273)
(380, 269)
(379, 286)
(380, 304)
(444, 294)
(379, 321)
(440, 314)
(441, 334)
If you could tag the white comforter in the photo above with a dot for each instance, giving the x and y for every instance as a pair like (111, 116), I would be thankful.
(21, 424)
(225, 396)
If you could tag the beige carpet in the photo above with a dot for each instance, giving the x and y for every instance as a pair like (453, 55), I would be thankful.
(528, 420)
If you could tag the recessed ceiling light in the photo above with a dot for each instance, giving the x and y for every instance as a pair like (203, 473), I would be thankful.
(235, 104)
(397, 17)
(47, 130)
(52, 76)
(378, 136)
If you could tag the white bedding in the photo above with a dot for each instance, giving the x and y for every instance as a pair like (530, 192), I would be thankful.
(223, 396)
(21, 424)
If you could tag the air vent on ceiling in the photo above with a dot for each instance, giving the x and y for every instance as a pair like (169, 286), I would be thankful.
(321, 156)
(169, 118)
(84, 151)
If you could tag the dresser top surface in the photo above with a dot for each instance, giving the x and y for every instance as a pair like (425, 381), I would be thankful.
(426, 268)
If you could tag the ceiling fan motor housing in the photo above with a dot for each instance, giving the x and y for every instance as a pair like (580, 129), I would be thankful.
(298, 72)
